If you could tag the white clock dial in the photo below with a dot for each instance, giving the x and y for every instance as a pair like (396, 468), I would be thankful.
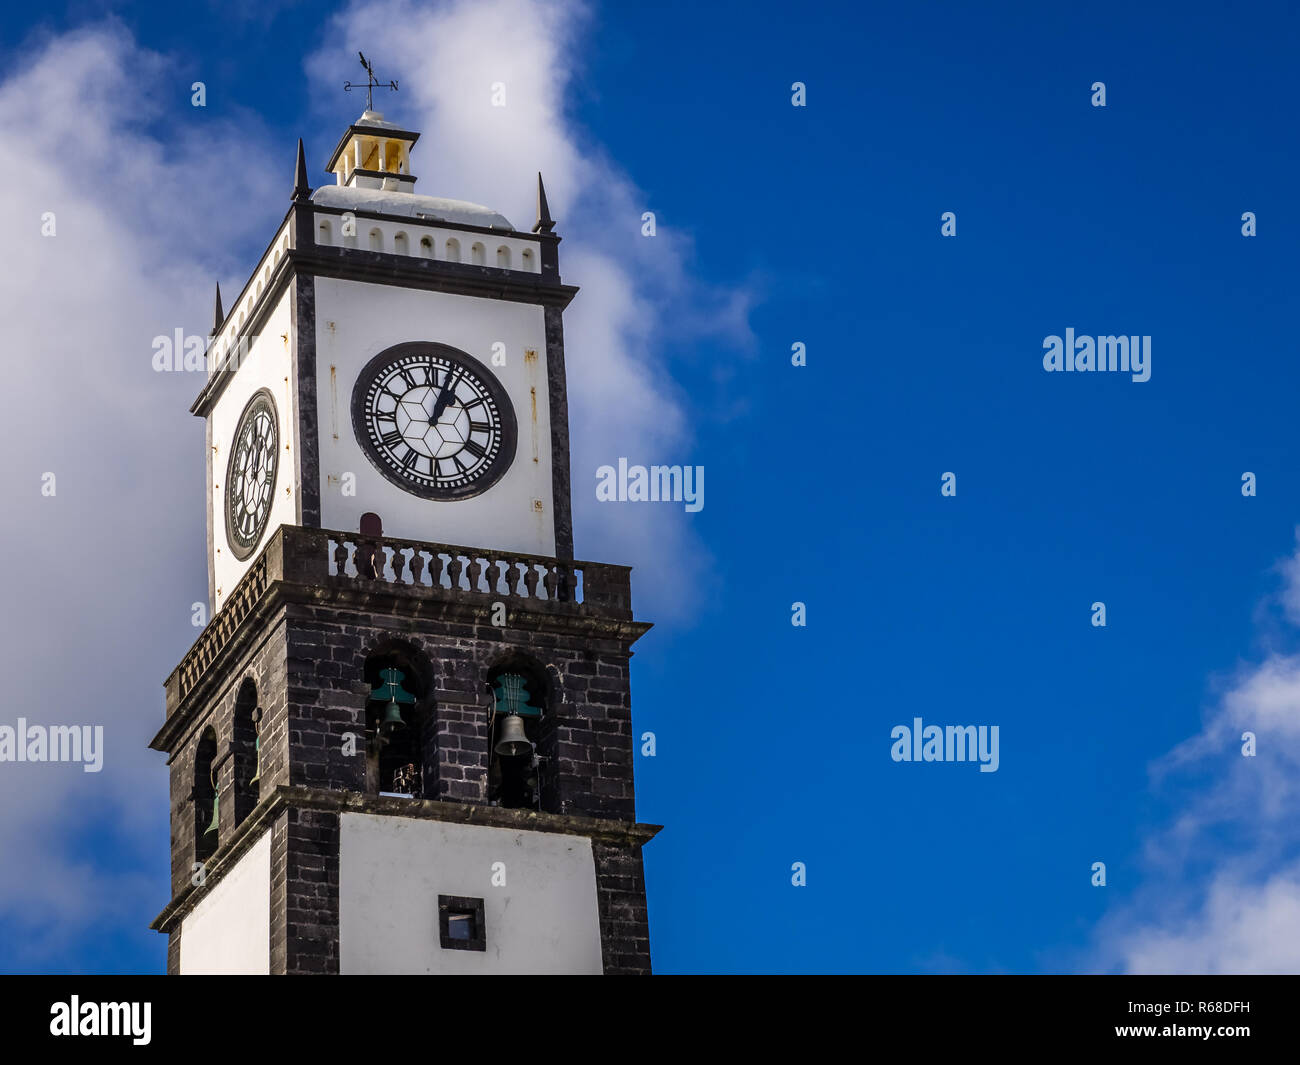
(434, 421)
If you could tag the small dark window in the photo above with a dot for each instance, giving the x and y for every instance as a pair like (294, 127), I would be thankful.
(460, 923)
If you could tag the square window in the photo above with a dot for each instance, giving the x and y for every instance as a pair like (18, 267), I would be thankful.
(460, 923)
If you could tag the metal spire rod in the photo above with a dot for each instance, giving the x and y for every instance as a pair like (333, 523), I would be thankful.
(371, 83)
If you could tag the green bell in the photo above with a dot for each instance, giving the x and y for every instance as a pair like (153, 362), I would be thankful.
(390, 689)
(392, 720)
(215, 808)
(257, 746)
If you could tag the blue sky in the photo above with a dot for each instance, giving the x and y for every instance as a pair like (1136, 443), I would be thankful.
(779, 225)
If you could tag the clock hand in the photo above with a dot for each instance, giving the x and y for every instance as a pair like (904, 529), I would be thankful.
(444, 399)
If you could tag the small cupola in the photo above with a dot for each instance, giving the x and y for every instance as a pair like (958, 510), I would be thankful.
(374, 154)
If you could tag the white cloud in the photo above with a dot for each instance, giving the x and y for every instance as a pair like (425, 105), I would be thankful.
(1290, 569)
(99, 579)
(1223, 887)
(637, 292)
(1241, 927)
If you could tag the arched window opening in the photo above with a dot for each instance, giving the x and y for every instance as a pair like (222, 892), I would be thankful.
(400, 740)
(206, 821)
(246, 747)
(323, 234)
(376, 240)
(503, 257)
(478, 254)
(453, 250)
(426, 247)
(526, 258)
(515, 768)
(401, 245)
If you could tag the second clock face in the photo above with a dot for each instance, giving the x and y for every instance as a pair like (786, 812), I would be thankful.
(250, 476)
(434, 420)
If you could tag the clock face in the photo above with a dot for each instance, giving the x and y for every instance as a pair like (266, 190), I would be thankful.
(434, 420)
(250, 476)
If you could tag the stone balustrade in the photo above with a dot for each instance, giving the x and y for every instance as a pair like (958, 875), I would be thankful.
(324, 558)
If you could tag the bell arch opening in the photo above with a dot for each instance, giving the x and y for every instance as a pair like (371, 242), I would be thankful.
(520, 734)
(206, 822)
(245, 745)
(401, 741)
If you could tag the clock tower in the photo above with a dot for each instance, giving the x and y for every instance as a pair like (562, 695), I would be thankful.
(403, 743)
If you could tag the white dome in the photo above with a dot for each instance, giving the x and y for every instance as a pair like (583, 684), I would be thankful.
(410, 205)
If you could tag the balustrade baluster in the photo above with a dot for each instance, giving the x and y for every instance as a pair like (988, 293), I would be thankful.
(501, 567)
(529, 579)
(454, 570)
(417, 566)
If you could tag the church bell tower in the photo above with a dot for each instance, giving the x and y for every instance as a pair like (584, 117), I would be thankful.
(403, 743)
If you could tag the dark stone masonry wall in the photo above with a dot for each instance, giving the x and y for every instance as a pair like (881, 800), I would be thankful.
(305, 893)
(264, 663)
(624, 922)
(307, 658)
(587, 740)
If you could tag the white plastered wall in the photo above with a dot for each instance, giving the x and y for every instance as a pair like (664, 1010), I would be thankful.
(354, 322)
(229, 931)
(392, 870)
(266, 365)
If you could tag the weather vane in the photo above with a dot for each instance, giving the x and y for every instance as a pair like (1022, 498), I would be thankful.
(371, 83)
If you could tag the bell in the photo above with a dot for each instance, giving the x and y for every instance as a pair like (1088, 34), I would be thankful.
(392, 718)
(213, 827)
(258, 748)
(513, 740)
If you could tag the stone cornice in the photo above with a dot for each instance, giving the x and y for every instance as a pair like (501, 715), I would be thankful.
(385, 268)
(284, 797)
